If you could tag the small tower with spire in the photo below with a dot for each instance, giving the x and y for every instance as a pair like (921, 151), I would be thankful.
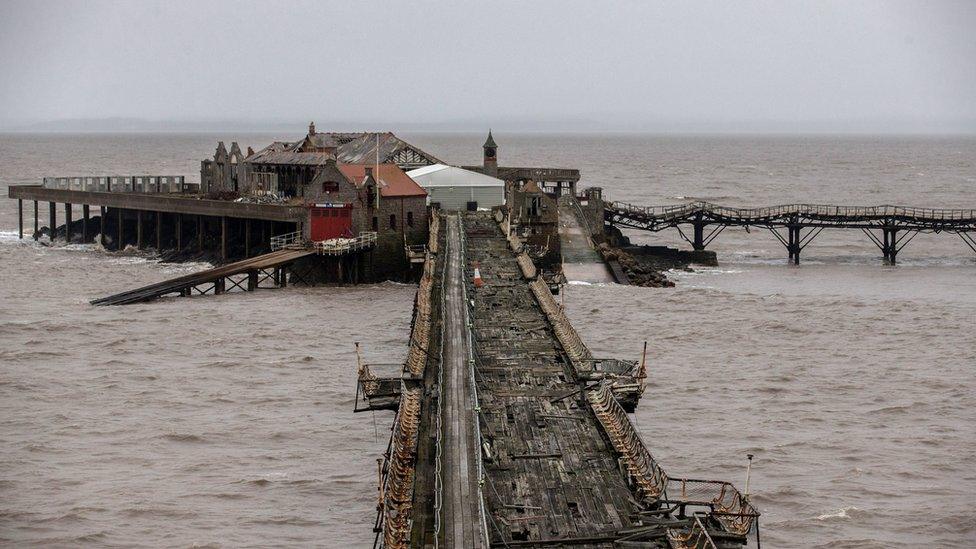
(491, 156)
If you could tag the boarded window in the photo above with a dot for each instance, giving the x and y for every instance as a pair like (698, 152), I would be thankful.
(376, 224)
(330, 187)
(393, 221)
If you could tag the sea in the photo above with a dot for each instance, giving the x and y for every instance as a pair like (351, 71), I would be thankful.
(228, 421)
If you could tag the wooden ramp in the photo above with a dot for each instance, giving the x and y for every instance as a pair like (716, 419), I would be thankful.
(246, 275)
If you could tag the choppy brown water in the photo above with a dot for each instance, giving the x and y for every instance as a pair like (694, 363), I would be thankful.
(228, 420)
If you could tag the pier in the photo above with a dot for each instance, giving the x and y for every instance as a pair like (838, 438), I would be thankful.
(890, 228)
(509, 433)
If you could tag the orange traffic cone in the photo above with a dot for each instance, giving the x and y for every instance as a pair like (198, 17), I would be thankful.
(478, 282)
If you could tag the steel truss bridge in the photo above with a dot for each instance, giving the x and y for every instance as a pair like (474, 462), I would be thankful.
(890, 228)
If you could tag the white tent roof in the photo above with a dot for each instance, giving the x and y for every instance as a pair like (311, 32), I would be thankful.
(441, 175)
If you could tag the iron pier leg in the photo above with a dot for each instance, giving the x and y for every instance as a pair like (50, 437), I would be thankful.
(179, 232)
(223, 238)
(200, 233)
(20, 218)
(252, 281)
(54, 218)
(101, 225)
(247, 238)
(159, 232)
(796, 245)
(789, 242)
(35, 221)
(121, 244)
(699, 243)
(85, 214)
(893, 247)
(884, 247)
(139, 229)
(67, 223)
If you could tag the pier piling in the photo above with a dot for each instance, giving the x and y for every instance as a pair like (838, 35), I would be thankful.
(159, 231)
(35, 221)
(139, 229)
(85, 214)
(54, 218)
(223, 238)
(200, 233)
(101, 225)
(121, 243)
(20, 218)
(179, 232)
(67, 223)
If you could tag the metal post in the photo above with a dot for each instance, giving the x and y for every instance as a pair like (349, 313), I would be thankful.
(200, 233)
(223, 238)
(252, 281)
(699, 243)
(159, 231)
(121, 244)
(67, 223)
(796, 245)
(35, 220)
(20, 218)
(139, 229)
(101, 225)
(893, 252)
(179, 232)
(54, 219)
(247, 238)
(85, 214)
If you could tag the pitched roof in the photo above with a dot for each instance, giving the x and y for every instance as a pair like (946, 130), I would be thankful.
(440, 175)
(362, 149)
(393, 182)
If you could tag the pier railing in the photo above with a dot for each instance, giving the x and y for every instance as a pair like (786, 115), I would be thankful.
(121, 184)
(286, 240)
(812, 211)
(339, 246)
(723, 502)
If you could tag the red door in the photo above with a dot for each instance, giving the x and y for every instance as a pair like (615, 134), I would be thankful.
(330, 222)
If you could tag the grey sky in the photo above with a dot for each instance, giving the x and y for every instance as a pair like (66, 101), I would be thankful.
(725, 66)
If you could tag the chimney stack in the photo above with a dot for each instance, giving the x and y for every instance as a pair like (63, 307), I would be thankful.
(311, 128)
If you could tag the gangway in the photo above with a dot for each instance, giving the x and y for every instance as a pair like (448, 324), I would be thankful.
(246, 275)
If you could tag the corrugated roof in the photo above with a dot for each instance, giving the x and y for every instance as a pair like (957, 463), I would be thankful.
(392, 180)
(441, 175)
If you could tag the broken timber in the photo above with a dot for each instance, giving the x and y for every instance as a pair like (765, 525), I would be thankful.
(549, 456)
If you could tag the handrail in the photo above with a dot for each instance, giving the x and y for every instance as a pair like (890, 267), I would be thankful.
(338, 246)
(285, 240)
(118, 183)
(691, 209)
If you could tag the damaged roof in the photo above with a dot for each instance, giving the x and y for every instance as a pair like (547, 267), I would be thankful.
(393, 182)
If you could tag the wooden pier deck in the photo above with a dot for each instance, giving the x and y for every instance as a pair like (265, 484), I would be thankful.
(247, 275)
(890, 228)
(460, 492)
(529, 449)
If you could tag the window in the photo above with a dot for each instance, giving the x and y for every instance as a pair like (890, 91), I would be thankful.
(393, 221)
(376, 224)
(330, 187)
(409, 219)
(345, 212)
(335, 212)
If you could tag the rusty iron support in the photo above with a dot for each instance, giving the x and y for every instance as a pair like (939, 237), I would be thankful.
(36, 221)
(102, 211)
(121, 244)
(159, 232)
(247, 238)
(85, 215)
(223, 238)
(67, 223)
(179, 232)
(139, 229)
(20, 218)
(53, 225)
(200, 233)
